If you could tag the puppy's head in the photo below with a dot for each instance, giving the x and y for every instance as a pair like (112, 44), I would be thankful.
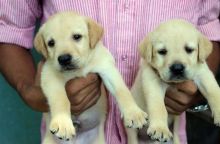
(174, 49)
(67, 39)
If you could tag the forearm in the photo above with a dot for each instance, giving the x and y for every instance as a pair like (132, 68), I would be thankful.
(17, 66)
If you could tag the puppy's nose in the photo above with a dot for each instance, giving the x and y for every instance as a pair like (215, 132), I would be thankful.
(177, 69)
(65, 59)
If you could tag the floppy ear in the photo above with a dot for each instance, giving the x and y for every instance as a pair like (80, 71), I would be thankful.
(204, 49)
(95, 32)
(39, 44)
(146, 49)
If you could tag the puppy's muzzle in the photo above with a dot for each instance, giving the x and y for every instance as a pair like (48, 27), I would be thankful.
(66, 63)
(177, 71)
(65, 59)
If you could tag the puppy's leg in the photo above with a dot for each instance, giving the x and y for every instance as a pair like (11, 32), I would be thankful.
(132, 114)
(101, 134)
(176, 139)
(48, 138)
(132, 136)
(154, 91)
(208, 86)
(54, 89)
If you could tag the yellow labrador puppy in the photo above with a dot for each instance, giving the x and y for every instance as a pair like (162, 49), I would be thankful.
(72, 48)
(174, 52)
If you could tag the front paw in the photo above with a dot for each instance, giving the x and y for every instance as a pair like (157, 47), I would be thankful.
(62, 127)
(134, 117)
(216, 115)
(159, 132)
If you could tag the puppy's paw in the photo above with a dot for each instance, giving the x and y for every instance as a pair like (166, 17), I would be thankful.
(216, 115)
(62, 127)
(134, 117)
(161, 133)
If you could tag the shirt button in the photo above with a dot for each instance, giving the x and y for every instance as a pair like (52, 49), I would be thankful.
(124, 57)
(126, 6)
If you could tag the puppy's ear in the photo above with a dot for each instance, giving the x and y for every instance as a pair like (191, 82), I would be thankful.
(39, 44)
(204, 49)
(95, 32)
(146, 49)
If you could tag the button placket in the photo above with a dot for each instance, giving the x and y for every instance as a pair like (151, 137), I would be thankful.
(126, 6)
(124, 57)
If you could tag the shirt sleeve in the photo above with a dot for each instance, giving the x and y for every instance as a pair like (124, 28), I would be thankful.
(208, 22)
(17, 21)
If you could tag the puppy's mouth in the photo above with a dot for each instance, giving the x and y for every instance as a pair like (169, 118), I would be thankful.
(173, 78)
(70, 67)
(177, 78)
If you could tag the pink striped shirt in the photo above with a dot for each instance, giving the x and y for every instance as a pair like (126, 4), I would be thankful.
(125, 23)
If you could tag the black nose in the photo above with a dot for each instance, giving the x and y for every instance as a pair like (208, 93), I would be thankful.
(177, 69)
(65, 59)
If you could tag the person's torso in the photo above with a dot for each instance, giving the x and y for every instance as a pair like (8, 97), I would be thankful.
(126, 22)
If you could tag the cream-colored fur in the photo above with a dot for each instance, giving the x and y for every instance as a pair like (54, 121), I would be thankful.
(154, 76)
(88, 56)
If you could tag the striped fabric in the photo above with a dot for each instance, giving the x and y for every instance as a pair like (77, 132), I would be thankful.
(125, 22)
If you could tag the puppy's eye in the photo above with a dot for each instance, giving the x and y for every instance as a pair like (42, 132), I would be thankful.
(77, 37)
(162, 51)
(188, 49)
(51, 43)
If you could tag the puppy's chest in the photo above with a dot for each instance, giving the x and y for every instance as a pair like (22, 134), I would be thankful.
(75, 74)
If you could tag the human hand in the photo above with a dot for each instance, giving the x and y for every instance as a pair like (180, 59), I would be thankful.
(84, 92)
(180, 97)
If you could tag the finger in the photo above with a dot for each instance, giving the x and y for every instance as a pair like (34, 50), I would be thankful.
(178, 96)
(89, 101)
(171, 111)
(95, 97)
(93, 101)
(81, 95)
(175, 106)
(182, 101)
(75, 85)
(188, 87)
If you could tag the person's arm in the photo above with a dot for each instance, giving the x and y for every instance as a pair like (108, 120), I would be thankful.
(17, 25)
(17, 66)
(184, 95)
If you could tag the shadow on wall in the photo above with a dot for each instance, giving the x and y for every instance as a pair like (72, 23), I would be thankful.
(19, 124)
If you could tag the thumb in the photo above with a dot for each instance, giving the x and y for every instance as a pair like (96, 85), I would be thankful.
(188, 87)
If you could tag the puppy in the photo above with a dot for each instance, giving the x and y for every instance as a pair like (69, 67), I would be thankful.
(174, 52)
(72, 48)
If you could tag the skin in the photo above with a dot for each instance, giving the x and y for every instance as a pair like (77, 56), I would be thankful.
(17, 66)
